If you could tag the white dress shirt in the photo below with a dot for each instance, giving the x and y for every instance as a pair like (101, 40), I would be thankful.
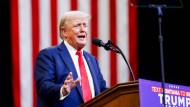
(74, 57)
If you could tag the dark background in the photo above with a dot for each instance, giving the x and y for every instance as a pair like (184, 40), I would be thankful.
(6, 98)
(175, 24)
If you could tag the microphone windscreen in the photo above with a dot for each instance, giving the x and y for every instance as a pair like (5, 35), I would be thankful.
(96, 42)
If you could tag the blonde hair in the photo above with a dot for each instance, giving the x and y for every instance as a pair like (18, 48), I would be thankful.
(66, 18)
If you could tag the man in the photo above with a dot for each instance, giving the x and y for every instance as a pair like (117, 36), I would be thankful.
(58, 68)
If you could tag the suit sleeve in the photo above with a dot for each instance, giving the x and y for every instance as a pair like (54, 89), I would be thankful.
(44, 74)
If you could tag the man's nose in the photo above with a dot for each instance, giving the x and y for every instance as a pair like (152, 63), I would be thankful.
(83, 28)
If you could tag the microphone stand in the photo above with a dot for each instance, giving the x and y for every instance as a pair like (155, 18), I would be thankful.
(120, 51)
(161, 47)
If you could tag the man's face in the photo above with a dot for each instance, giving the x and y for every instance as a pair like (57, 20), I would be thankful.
(76, 32)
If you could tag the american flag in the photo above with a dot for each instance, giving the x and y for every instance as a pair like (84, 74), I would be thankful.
(34, 26)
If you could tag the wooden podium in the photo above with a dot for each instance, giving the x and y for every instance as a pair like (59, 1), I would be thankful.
(120, 95)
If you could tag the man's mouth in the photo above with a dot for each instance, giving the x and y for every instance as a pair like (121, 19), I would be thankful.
(81, 36)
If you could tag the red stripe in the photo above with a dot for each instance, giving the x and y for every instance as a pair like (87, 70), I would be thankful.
(113, 63)
(94, 26)
(133, 49)
(15, 52)
(35, 40)
(74, 5)
(54, 22)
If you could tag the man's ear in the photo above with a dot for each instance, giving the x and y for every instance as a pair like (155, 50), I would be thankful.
(64, 33)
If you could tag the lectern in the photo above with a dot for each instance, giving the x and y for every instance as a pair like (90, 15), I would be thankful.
(120, 95)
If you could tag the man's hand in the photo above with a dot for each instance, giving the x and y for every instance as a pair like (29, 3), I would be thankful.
(69, 84)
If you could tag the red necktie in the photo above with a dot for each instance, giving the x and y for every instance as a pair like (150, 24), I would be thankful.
(87, 95)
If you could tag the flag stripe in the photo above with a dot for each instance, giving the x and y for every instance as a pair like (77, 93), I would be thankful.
(35, 40)
(113, 31)
(25, 61)
(104, 35)
(35, 27)
(45, 22)
(74, 4)
(54, 21)
(122, 39)
(15, 52)
(133, 41)
(94, 26)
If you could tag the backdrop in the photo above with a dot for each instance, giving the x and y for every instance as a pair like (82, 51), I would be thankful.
(27, 26)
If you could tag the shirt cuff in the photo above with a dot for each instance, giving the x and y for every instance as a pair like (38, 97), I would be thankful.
(61, 94)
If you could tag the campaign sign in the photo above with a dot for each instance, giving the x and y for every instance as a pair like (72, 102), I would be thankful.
(151, 94)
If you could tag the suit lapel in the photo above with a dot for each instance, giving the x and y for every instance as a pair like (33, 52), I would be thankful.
(64, 53)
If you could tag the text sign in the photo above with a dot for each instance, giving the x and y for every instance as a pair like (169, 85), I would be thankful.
(151, 94)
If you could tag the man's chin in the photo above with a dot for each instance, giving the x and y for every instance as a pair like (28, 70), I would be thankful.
(81, 45)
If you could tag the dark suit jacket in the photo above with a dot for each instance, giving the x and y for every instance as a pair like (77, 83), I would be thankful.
(52, 66)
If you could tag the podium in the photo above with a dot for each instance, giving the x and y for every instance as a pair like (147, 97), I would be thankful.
(120, 95)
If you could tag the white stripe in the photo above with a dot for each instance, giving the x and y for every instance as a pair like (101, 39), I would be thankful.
(63, 6)
(103, 28)
(45, 23)
(25, 46)
(122, 39)
(84, 5)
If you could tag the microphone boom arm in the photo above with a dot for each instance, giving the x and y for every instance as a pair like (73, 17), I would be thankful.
(120, 51)
(108, 47)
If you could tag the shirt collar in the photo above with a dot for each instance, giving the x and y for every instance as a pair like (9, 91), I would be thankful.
(71, 49)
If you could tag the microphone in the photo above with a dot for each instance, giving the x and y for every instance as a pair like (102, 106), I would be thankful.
(106, 46)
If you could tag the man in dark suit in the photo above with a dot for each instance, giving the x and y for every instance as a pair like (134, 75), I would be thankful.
(57, 71)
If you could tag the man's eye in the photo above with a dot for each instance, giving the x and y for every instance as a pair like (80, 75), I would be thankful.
(76, 25)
